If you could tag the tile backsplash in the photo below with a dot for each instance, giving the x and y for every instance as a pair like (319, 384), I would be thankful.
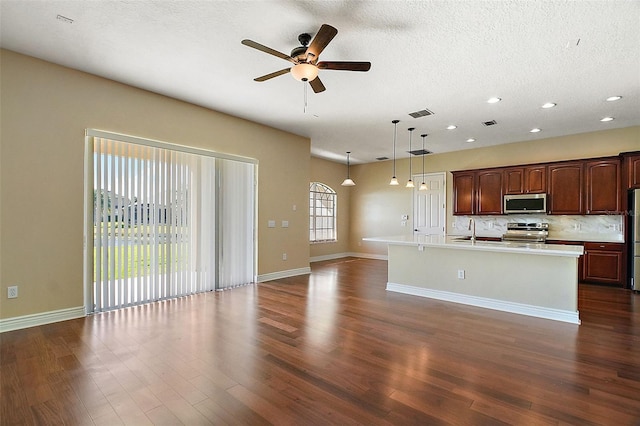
(600, 228)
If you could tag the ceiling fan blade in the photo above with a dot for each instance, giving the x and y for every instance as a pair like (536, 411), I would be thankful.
(268, 50)
(345, 66)
(273, 74)
(326, 33)
(317, 85)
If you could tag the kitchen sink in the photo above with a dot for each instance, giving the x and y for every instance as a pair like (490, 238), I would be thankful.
(468, 238)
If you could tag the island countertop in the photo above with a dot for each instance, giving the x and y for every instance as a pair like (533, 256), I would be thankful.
(460, 243)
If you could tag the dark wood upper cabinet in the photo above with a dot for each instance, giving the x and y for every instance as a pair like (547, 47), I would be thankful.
(464, 193)
(632, 170)
(603, 193)
(489, 191)
(565, 188)
(577, 187)
(535, 179)
(513, 178)
(525, 180)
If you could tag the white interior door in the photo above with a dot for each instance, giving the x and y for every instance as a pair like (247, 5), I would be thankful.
(429, 206)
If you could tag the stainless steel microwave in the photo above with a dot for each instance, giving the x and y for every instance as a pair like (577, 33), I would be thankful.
(525, 203)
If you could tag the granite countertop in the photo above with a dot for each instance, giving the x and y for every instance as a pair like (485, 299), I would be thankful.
(460, 243)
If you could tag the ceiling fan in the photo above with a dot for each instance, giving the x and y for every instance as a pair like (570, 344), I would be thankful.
(305, 58)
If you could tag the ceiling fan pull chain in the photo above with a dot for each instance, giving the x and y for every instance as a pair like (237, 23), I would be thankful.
(305, 97)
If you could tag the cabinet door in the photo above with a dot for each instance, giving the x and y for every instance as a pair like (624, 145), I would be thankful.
(489, 192)
(603, 263)
(602, 186)
(464, 199)
(535, 179)
(632, 171)
(513, 180)
(565, 188)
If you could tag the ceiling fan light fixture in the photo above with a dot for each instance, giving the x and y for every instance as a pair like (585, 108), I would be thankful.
(304, 72)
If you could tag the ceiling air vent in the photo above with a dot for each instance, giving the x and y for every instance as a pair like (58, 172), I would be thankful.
(421, 113)
(382, 158)
(490, 123)
(419, 152)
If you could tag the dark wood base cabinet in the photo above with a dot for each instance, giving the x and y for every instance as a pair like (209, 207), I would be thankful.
(603, 263)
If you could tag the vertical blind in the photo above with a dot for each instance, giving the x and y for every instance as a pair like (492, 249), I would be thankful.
(168, 223)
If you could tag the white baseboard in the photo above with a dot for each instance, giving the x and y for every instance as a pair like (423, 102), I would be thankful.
(483, 302)
(283, 274)
(328, 257)
(348, 254)
(369, 256)
(33, 320)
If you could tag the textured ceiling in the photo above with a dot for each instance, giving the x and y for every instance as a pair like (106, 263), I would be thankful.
(446, 56)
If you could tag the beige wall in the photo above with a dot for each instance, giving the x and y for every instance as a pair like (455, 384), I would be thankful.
(332, 174)
(377, 207)
(45, 110)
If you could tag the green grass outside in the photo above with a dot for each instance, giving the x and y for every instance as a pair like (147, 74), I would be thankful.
(136, 260)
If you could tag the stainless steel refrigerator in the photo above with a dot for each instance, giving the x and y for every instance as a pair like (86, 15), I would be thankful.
(634, 255)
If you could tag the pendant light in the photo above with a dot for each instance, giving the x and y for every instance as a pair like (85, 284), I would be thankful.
(348, 181)
(410, 181)
(423, 186)
(394, 179)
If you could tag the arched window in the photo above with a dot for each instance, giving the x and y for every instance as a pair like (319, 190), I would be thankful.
(322, 213)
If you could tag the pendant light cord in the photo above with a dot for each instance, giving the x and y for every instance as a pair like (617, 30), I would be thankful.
(423, 136)
(411, 129)
(395, 134)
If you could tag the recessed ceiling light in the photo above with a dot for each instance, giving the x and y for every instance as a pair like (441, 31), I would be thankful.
(471, 140)
(493, 100)
(549, 105)
(607, 119)
(613, 98)
(451, 127)
(534, 130)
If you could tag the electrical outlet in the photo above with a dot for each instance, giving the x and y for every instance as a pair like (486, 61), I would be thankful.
(284, 256)
(461, 274)
(12, 292)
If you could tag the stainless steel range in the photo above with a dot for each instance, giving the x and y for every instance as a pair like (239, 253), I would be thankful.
(526, 232)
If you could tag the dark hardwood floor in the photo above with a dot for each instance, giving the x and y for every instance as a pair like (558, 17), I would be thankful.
(330, 348)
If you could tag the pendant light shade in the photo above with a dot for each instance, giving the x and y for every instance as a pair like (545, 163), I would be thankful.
(348, 181)
(410, 181)
(394, 179)
(423, 186)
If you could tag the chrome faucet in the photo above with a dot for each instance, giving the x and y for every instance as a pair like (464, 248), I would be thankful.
(472, 228)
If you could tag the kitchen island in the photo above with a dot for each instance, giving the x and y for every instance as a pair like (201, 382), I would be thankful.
(539, 280)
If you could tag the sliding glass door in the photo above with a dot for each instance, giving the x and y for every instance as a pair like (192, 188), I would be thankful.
(164, 221)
